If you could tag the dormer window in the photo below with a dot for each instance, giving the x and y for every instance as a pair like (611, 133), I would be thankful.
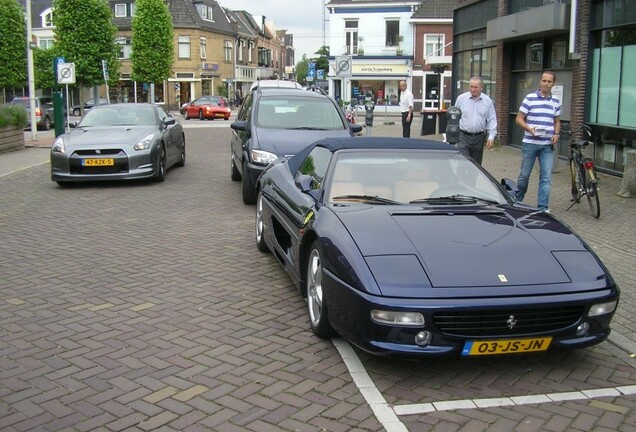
(205, 12)
(47, 17)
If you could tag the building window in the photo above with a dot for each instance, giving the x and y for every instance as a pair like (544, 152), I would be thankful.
(46, 43)
(120, 10)
(392, 33)
(249, 51)
(205, 12)
(132, 9)
(228, 51)
(240, 49)
(202, 47)
(47, 17)
(434, 45)
(125, 47)
(351, 36)
(184, 47)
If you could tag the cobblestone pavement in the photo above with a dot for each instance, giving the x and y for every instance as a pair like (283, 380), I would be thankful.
(145, 306)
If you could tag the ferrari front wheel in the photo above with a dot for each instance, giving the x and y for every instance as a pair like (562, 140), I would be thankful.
(316, 301)
(260, 227)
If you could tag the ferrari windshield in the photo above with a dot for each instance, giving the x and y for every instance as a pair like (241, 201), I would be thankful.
(411, 177)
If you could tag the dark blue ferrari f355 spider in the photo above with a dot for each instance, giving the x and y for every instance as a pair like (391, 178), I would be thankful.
(407, 246)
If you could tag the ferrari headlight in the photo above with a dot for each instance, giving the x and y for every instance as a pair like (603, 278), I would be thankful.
(263, 157)
(409, 319)
(145, 143)
(58, 145)
(602, 308)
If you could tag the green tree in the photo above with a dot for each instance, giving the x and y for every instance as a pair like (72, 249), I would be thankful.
(323, 51)
(152, 47)
(301, 69)
(85, 35)
(43, 67)
(13, 64)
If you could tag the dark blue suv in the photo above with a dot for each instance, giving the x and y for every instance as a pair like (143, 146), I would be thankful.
(278, 122)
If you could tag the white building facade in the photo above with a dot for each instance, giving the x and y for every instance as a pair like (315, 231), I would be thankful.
(371, 50)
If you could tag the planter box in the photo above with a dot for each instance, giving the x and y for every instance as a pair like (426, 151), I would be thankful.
(11, 139)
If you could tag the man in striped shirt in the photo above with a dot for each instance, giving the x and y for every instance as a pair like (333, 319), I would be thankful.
(539, 116)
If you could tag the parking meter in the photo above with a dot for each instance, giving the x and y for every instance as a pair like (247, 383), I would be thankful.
(453, 114)
(368, 116)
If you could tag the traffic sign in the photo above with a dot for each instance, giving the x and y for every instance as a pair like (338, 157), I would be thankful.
(343, 66)
(66, 73)
(311, 71)
(320, 74)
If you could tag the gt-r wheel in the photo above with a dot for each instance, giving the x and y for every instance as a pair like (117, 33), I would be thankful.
(201, 116)
(235, 175)
(186, 115)
(260, 238)
(161, 165)
(183, 154)
(316, 301)
(247, 188)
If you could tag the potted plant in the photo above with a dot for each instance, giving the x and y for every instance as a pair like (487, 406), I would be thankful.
(13, 120)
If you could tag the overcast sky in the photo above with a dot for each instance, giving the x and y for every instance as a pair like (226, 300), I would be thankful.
(302, 18)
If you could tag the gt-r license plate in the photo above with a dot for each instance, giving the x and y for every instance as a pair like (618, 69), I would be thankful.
(506, 346)
(98, 162)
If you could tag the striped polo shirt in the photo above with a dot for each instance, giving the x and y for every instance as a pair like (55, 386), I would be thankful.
(540, 113)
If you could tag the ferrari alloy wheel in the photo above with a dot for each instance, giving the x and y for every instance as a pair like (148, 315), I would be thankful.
(201, 116)
(316, 301)
(186, 115)
(260, 239)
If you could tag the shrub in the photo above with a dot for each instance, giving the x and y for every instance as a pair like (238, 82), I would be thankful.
(13, 115)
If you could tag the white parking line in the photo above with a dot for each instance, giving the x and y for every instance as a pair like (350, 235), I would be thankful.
(388, 416)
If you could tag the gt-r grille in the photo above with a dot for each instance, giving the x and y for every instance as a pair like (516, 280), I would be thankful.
(506, 323)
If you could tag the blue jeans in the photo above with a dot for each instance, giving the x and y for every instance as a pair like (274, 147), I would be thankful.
(529, 153)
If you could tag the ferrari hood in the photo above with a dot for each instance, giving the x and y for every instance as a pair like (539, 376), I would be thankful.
(465, 248)
(115, 135)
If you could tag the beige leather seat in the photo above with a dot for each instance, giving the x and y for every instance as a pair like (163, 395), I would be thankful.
(343, 183)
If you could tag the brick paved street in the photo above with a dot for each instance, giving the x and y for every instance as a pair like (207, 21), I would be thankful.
(145, 306)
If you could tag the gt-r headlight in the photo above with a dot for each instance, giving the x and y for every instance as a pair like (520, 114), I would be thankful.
(58, 145)
(145, 143)
(263, 157)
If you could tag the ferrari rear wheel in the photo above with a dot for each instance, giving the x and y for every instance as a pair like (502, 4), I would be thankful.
(186, 115)
(260, 227)
(316, 300)
(201, 116)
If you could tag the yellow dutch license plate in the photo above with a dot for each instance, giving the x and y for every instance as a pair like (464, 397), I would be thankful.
(506, 346)
(220, 115)
(98, 162)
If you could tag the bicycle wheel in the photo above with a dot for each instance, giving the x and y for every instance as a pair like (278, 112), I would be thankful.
(591, 192)
(576, 181)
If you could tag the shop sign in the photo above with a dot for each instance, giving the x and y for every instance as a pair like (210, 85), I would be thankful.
(380, 69)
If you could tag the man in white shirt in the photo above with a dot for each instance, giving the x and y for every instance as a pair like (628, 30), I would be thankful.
(478, 119)
(406, 107)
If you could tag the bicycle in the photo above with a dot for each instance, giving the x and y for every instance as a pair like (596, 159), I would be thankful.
(583, 173)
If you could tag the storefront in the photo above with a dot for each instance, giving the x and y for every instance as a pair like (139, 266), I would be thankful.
(376, 80)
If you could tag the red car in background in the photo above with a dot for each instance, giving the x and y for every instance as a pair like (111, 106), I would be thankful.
(207, 107)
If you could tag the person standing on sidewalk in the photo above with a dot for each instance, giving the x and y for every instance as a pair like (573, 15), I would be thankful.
(539, 117)
(478, 119)
(406, 107)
